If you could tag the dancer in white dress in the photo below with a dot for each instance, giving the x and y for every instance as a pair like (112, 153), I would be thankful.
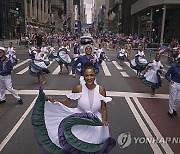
(152, 76)
(139, 63)
(121, 54)
(38, 67)
(101, 54)
(52, 52)
(11, 54)
(32, 51)
(74, 130)
(63, 57)
(44, 48)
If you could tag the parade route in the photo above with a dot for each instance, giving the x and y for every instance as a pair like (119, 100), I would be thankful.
(131, 111)
(135, 101)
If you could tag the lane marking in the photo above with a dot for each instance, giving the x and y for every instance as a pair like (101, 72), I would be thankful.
(23, 71)
(18, 65)
(109, 93)
(57, 70)
(124, 74)
(105, 69)
(18, 124)
(143, 126)
(117, 65)
(165, 146)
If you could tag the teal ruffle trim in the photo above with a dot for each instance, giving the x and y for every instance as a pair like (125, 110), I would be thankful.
(40, 130)
(150, 84)
(67, 140)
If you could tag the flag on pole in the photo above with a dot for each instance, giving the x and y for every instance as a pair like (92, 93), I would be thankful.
(111, 16)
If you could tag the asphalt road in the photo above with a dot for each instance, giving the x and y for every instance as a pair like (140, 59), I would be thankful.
(133, 115)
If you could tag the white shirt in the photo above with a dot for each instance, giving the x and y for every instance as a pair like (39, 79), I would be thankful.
(52, 49)
(11, 51)
(155, 65)
(44, 49)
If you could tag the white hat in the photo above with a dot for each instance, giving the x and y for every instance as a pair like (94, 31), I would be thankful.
(2, 48)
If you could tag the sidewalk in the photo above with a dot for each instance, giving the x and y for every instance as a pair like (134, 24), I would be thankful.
(5, 42)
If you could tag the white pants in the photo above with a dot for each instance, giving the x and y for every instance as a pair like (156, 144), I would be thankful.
(174, 97)
(6, 83)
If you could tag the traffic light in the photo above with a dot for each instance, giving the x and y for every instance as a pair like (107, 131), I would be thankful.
(18, 7)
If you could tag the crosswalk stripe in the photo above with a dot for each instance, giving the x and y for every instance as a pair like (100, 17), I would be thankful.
(109, 93)
(57, 70)
(18, 65)
(124, 74)
(23, 71)
(105, 69)
(117, 65)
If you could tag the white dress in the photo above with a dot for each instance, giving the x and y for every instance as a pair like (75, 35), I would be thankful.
(36, 67)
(44, 50)
(89, 103)
(139, 63)
(39, 56)
(141, 57)
(151, 77)
(63, 56)
(121, 54)
(11, 54)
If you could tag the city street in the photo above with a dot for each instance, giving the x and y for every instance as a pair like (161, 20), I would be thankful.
(132, 111)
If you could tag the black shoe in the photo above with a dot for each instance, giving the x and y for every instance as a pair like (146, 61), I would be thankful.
(170, 115)
(4, 101)
(20, 102)
(174, 113)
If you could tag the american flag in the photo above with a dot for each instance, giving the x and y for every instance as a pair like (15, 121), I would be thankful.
(163, 49)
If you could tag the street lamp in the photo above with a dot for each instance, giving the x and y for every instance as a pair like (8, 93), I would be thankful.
(119, 26)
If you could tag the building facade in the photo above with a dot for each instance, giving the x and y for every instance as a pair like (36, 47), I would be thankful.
(70, 16)
(97, 7)
(38, 16)
(126, 18)
(115, 16)
(100, 14)
(11, 18)
(156, 20)
(57, 7)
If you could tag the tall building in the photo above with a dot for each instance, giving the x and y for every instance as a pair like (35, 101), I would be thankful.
(127, 19)
(156, 20)
(78, 17)
(38, 16)
(11, 18)
(115, 15)
(98, 13)
(70, 15)
(57, 7)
